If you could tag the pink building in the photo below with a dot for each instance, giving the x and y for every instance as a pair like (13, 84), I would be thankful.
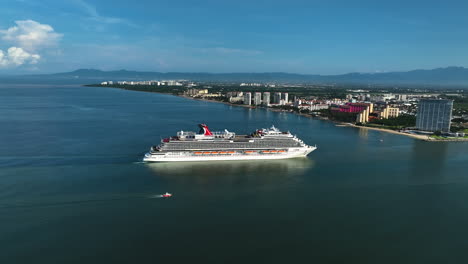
(352, 107)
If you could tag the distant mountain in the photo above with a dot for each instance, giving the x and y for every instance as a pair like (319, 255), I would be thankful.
(450, 76)
(439, 76)
(195, 76)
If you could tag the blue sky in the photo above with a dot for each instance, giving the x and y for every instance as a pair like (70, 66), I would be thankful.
(324, 37)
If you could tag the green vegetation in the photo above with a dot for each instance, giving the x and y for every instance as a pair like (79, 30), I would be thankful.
(460, 104)
(396, 123)
(400, 121)
(438, 137)
(447, 138)
(339, 116)
(286, 108)
(458, 125)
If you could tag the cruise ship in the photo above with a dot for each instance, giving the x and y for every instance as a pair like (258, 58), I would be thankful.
(262, 144)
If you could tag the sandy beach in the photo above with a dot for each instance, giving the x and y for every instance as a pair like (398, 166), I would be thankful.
(421, 137)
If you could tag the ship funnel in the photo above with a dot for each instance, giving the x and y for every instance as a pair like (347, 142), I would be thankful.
(204, 130)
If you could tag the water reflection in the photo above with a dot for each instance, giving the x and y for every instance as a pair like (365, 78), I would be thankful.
(428, 162)
(206, 171)
(364, 133)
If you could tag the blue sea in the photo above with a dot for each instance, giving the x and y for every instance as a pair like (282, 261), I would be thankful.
(73, 188)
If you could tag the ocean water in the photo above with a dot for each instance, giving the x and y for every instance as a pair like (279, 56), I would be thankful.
(73, 188)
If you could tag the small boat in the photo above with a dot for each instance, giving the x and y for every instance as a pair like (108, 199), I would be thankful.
(166, 195)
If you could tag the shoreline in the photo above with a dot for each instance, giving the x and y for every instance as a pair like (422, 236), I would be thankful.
(340, 124)
(420, 137)
(337, 123)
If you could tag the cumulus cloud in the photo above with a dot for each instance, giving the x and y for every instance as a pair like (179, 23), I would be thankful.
(16, 57)
(28, 37)
(31, 35)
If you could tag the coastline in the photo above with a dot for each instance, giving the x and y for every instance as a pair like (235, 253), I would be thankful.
(340, 124)
(420, 137)
(214, 101)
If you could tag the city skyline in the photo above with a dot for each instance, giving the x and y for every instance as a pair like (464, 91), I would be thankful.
(298, 36)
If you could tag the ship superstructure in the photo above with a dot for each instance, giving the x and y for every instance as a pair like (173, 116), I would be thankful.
(225, 145)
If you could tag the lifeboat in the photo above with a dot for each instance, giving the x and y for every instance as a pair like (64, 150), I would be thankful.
(282, 151)
(273, 151)
(214, 153)
(249, 152)
(198, 153)
(266, 151)
(223, 152)
(231, 152)
(207, 153)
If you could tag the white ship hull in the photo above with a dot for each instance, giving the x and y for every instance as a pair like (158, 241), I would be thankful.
(183, 156)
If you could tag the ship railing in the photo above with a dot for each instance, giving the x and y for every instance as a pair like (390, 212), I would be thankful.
(186, 133)
(224, 134)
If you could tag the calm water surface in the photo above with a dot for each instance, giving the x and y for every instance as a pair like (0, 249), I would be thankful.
(72, 189)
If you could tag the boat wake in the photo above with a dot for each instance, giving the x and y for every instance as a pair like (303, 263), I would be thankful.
(76, 202)
(164, 195)
(155, 196)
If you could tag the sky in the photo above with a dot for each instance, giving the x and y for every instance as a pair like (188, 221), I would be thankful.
(309, 37)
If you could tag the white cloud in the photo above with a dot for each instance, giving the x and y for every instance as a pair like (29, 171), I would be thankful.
(28, 37)
(17, 56)
(92, 14)
(31, 35)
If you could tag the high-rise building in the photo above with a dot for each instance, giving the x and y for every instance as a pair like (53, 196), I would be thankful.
(258, 98)
(248, 98)
(266, 99)
(367, 108)
(277, 98)
(401, 97)
(389, 112)
(434, 115)
(285, 98)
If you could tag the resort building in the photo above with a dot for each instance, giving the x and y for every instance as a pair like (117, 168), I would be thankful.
(434, 115)
(258, 98)
(389, 112)
(196, 92)
(248, 98)
(285, 97)
(277, 98)
(266, 99)
(361, 109)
